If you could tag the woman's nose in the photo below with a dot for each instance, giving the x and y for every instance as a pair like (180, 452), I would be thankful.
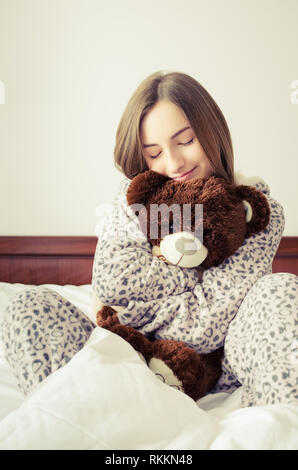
(175, 162)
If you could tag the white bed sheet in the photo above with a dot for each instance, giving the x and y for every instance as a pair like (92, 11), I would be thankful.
(107, 398)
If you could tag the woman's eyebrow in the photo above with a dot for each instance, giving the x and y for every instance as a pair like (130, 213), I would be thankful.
(173, 136)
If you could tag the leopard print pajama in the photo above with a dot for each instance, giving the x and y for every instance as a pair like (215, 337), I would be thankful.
(42, 331)
(261, 346)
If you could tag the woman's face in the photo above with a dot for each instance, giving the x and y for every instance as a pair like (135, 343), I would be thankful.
(170, 146)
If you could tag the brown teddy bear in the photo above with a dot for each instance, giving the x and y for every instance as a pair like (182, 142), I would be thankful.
(181, 234)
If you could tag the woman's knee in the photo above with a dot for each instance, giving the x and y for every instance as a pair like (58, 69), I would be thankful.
(274, 293)
(276, 281)
(23, 305)
(271, 304)
(28, 296)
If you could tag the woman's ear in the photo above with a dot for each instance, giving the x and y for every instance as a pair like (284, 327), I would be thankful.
(256, 208)
(143, 186)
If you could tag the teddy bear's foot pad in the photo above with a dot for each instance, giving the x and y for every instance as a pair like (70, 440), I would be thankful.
(164, 373)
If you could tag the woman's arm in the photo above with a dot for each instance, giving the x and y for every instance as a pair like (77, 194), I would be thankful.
(201, 317)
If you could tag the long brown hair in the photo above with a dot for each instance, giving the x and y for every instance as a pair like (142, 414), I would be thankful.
(203, 114)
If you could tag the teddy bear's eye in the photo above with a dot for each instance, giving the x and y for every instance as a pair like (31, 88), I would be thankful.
(207, 232)
(171, 228)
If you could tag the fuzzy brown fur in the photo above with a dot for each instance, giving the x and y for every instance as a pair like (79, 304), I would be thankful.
(225, 226)
(224, 230)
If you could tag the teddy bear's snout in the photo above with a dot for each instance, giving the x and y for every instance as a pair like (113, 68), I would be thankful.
(185, 246)
(183, 249)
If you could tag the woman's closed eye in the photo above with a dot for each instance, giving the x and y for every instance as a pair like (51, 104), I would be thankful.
(187, 143)
(180, 143)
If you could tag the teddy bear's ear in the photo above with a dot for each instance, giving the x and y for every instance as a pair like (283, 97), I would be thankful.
(256, 208)
(143, 186)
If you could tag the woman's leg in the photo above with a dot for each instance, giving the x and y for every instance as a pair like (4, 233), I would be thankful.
(261, 347)
(41, 332)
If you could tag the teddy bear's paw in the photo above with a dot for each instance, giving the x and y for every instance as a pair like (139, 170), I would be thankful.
(164, 373)
(106, 313)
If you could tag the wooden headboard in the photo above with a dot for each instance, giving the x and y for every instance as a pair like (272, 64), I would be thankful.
(69, 260)
(47, 260)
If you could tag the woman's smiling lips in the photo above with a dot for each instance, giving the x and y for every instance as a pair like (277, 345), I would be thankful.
(185, 175)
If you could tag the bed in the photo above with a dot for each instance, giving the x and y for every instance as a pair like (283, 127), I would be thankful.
(106, 398)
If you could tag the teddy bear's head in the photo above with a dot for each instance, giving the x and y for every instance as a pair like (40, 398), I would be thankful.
(196, 223)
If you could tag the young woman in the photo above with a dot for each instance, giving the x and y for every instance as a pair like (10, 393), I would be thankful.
(174, 127)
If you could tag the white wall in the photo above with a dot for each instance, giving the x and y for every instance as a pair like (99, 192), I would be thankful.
(70, 66)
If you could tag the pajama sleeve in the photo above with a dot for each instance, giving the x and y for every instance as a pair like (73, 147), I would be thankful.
(200, 316)
(124, 269)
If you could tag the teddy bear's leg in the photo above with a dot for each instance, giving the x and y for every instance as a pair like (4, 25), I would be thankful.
(136, 339)
(107, 318)
(181, 367)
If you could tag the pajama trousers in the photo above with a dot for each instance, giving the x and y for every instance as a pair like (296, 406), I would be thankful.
(42, 331)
